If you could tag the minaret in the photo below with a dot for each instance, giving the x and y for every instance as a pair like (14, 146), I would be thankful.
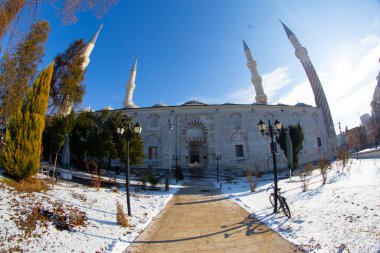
(86, 55)
(319, 94)
(89, 47)
(128, 103)
(260, 98)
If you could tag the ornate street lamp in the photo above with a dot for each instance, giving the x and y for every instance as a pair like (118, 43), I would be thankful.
(136, 130)
(272, 131)
(217, 157)
(176, 159)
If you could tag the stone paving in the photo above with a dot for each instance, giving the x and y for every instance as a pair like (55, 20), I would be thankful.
(200, 219)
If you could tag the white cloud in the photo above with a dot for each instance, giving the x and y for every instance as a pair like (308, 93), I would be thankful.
(272, 82)
(275, 80)
(300, 93)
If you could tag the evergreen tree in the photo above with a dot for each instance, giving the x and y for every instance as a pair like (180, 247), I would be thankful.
(296, 136)
(21, 158)
(96, 135)
(18, 69)
(66, 88)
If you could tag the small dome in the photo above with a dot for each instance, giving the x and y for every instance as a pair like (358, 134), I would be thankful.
(108, 108)
(159, 105)
(302, 105)
(194, 102)
(86, 109)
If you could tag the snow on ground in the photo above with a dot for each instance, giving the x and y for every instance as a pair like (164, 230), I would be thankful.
(341, 216)
(101, 232)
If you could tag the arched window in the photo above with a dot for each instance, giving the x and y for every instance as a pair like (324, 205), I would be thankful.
(236, 120)
(153, 118)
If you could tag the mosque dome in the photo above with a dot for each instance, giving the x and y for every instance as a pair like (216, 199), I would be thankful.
(86, 109)
(302, 105)
(159, 105)
(194, 102)
(108, 108)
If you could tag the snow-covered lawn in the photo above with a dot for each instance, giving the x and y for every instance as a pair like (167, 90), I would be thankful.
(101, 233)
(341, 216)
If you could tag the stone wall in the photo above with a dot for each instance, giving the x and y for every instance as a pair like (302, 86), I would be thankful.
(201, 131)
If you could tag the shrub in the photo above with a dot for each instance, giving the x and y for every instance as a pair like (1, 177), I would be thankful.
(120, 215)
(251, 180)
(33, 184)
(96, 182)
(324, 166)
(305, 176)
(342, 156)
(153, 181)
(82, 197)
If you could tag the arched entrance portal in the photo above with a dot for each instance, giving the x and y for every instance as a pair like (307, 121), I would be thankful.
(196, 144)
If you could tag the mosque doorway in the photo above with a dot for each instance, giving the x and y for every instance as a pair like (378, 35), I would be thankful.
(195, 150)
(196, 158)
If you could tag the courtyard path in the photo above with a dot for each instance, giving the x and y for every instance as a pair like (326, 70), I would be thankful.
(200, 219)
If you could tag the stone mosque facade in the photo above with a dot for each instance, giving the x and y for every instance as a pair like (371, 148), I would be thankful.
(195, 132)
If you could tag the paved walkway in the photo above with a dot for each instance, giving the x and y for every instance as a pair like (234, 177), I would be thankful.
(199, 219)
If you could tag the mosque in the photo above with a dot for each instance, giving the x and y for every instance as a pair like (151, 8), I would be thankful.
(195, 133)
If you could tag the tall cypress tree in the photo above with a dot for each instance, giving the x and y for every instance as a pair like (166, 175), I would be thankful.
(21, 158)
(297, 136)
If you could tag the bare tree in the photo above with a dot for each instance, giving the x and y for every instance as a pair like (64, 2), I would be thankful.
(8, 11)
(67, 10)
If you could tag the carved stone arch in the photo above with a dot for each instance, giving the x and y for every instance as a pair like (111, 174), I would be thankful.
(269, 115)
(238, 135)
(236, 114)
(153, 119)
(295, 114)
(153, 137)
(153, 115)
(194, 124)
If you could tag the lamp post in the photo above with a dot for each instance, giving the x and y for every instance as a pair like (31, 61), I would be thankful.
(128, 136)
(176, 159)
(217, 157)
(272, 131)
(170, 161)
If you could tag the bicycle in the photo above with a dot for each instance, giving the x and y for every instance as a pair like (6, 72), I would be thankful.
(281, 201)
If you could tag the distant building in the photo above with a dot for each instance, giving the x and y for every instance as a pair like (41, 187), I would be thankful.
(368, 134)
(354, 138)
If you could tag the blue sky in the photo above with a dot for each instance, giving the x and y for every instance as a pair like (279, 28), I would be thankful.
(193, 50)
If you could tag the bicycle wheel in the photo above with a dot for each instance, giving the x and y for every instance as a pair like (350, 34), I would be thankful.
(271, 199)
(285, 207)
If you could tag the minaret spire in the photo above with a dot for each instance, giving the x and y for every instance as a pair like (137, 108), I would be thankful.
(256, 79)
(128, 103)
(89, 47)
(319, 94)
(86, 55)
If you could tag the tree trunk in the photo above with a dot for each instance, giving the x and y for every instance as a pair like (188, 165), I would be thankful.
(55, 165)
